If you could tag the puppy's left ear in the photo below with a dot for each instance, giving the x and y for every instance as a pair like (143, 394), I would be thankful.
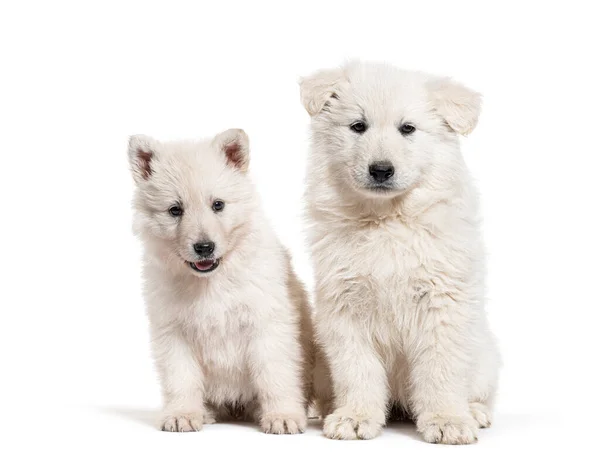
(235, 146)
(457, 104)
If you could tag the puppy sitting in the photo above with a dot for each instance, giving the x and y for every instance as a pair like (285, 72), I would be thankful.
(397, 252)
(229, 320)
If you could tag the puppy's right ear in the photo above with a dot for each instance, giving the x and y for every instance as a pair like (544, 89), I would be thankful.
(141, 153)
(318, 89)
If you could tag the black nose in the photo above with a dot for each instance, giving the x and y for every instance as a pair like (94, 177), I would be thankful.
(204, 248)
(381, 171)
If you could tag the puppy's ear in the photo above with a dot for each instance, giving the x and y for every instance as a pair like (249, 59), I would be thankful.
(141, 151)
(457, 104)
(235, 146)
(318, 89)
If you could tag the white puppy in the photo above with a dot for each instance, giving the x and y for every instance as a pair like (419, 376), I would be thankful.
(397, 251)
(230, 322)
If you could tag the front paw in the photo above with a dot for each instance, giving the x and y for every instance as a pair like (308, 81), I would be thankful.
(184, 422)
(281, 423)
(340, 425)
(448, 429)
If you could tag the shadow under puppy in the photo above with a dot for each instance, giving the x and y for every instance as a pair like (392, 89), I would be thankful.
(229, 320)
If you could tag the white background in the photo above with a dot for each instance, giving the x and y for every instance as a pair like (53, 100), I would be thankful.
(77, 382)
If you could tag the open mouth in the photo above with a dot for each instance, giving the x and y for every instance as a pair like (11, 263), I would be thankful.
(205, 266)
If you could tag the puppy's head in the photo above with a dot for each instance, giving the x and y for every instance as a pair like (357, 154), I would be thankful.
(381, 129)
(192, 198)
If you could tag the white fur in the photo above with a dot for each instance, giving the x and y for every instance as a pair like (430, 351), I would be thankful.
(232, 342)
(400, 273)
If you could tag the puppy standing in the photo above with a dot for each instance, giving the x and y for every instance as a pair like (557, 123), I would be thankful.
(397, 252)
(230, 322)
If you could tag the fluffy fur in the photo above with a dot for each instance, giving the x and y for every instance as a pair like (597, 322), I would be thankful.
(399, 266)
(234, 341)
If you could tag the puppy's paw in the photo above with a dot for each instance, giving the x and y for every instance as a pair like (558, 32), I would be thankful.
(185, 422)
(448, 429)
(276, 423)
(348, 426)
(481, 413)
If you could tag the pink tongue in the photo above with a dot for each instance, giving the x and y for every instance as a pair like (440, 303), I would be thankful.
(204, 264)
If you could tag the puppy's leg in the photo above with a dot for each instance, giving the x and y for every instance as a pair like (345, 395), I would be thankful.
(182, 383)
(439, 359)
(485, 381)
(322, 389)
(483, 389)
(275, 360)
(359, 380)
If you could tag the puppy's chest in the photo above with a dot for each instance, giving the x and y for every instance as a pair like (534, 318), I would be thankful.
(389, 266)
(220, 334)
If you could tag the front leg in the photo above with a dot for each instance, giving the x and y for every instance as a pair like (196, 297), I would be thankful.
(359, 379)
(439, 358)
(275, 360)
(182, 382)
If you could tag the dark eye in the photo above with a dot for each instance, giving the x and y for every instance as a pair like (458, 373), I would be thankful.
(218, 205)
(407, 129)
(359, 127)
(176, 210)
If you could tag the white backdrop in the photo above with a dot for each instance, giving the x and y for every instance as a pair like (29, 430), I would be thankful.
(78, 77)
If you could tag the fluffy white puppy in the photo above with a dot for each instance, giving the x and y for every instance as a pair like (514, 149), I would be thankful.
(397, 251)
(229, 320)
